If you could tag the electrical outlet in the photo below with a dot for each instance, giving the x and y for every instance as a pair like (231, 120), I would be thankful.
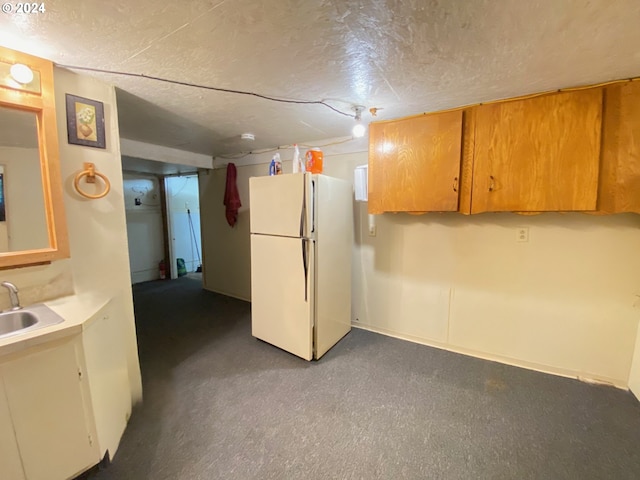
(372, 230)
(138, 201)
(523, 234)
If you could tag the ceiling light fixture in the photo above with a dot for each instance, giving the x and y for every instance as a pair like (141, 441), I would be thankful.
(248, 136)
(21, 73)
(358, 129)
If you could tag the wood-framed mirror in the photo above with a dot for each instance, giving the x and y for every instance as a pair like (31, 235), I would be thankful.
(32, 221)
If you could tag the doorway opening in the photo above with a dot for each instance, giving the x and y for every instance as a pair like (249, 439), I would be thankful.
(163, 220)
(145, 231)
(183, 223)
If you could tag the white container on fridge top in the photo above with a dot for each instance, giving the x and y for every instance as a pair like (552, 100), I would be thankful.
(301, 240)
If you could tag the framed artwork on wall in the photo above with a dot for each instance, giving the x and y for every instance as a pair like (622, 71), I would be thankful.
(85, 121)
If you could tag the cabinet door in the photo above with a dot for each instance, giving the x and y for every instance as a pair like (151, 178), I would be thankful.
(108, 378)
(620, 174)
(414, 164)
(10, 463)
(538, 154)
(46, 400)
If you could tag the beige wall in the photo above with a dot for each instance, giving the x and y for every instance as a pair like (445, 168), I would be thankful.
(97, 228)
(564, 302)
(225, 251)
(99, 263)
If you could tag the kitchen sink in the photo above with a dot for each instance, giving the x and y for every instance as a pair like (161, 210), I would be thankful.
(16, 322)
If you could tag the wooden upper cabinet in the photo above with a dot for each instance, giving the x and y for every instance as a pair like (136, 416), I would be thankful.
(620, 173)
(538, 154)
(414, 163)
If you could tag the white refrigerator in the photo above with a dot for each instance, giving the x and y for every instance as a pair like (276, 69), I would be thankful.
(301, 241)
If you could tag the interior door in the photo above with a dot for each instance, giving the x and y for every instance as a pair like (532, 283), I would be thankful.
(281, 302)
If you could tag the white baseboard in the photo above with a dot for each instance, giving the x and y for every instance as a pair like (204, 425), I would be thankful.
(227, 294)
(562, 372)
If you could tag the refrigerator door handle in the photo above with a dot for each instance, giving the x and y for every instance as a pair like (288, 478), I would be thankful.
(305, 265)
(313, 206)
(303, 209)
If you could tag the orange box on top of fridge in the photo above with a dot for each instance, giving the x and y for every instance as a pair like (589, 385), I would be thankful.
(314, 160)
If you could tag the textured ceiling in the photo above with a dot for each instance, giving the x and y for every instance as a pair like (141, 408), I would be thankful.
(403, 56)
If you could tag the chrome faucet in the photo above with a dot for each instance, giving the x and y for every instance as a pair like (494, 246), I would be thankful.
(13, 295)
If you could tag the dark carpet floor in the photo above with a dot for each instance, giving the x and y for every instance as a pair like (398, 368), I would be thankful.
(219, 404)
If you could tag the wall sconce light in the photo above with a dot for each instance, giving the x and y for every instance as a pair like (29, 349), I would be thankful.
(18, 76)
(21, 73)
(358, 128)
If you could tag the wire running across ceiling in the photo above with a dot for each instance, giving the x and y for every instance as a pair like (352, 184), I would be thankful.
(207, 87)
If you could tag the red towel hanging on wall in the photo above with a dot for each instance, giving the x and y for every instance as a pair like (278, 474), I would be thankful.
(231, 195)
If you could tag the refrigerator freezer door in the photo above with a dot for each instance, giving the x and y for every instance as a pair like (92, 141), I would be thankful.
(280, 205)
(334, 219)
(281, 303)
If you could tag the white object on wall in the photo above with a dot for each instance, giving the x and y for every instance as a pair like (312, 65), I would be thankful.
(373, 229)
(360, 184)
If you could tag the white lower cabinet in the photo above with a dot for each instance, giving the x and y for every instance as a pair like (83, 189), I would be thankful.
(46, 398)
(10, 463)
(108, 378)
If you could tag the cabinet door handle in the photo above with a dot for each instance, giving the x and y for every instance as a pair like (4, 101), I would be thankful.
(455, 184)
(491, 183)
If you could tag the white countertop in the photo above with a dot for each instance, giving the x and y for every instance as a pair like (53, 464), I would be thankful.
(77, 310)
